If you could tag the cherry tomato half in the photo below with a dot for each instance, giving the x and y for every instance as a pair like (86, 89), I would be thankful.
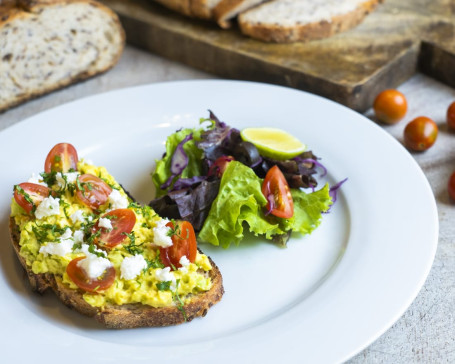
(420, 134)
(80, 278)
(122, 221)
(28, 195)
(390, 106)
(183, 243)
(61, 158)
(451, 186)
(219, 166)
(451, 116)
(92, 191)
(276, 190)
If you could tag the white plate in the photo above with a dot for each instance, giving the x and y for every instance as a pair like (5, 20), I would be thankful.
(323, 299)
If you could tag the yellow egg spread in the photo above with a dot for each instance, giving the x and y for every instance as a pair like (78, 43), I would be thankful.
(51, 242)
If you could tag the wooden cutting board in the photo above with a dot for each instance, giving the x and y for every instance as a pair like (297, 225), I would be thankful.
(399, 38)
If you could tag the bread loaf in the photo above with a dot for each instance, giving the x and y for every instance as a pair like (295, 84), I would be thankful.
(229, 9)
(285, 21)
(49, 44)
(202, 9)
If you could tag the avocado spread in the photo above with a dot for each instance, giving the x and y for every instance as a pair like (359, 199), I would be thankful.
(63, 228)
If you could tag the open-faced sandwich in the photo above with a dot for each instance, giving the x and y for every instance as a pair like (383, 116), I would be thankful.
(75, 230)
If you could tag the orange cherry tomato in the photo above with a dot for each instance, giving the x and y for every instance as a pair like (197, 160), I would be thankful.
(92, 191)
(183, 243)
(390, 106)
(420, 134)
(80, 278)
(122, 221)
(29, 195)
(276, 190)
(451, 186)
(61, 158)
(451, 116)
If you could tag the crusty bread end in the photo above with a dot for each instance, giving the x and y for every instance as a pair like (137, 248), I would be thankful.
(49, 44)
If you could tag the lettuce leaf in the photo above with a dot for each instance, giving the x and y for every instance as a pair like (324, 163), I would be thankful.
(163, 166)
(240, 203)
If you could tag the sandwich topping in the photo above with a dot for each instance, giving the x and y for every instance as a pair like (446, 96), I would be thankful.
(78, 223)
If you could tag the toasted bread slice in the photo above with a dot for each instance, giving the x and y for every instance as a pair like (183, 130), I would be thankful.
(49, 44)
(125, 316)
(285, 21)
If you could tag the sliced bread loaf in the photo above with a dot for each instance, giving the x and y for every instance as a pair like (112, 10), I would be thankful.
(285, 21)
(202, 9)
(49, 44)
(229, 9)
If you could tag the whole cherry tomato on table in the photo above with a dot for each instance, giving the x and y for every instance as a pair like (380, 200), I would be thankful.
(390, 106)
(451, 116)
(420, 134)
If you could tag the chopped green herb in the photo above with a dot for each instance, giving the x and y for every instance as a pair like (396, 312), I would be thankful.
(164, 286)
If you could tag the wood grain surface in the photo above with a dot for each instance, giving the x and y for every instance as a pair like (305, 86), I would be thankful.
(396, 40)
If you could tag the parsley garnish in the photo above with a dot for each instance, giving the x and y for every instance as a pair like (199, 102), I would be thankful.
(49, 178)
(164, 286)
(178, 301)
(92, 249)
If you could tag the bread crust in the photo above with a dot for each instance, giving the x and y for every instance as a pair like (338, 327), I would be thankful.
(306, 32)
(228, 9)
(180, 6)
(125, 316)
(31, 9)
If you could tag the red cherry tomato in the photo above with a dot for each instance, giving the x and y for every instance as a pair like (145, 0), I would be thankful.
(80, 278)
(451, 116)
(183, 243)
(122, 221)
(61, 158)
(219, 166)
(92, 191)
(29, 195)
(451, 186)
(276, 190)
(390, 106)
(420, 134)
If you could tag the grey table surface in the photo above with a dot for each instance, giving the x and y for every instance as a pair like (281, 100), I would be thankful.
(426, 331)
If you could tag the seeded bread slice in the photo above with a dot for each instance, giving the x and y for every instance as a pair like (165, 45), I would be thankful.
(49, 44)
(227, 10)
(285, 21)
(125, 316)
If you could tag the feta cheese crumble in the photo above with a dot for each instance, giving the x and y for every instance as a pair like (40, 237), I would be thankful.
(161, 234)
(37, 179)
(184, 262)
(104, 222)
(77, 216)
(165, 275)
(48, 207)
(132, 266)
(94, 266)
(117, 200)
(70, 178)
(61, 248)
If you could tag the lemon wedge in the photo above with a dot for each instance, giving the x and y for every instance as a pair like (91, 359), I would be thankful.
(273, 143)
